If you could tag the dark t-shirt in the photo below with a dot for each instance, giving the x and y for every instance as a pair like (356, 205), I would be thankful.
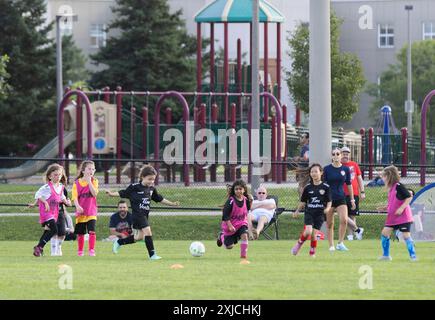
(140, 198)
(316, 197)
(336, 178)
(305, 149)
(228, 207)
(121, 225)
(401, 192)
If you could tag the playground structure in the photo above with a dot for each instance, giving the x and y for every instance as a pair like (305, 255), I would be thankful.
(125, 125)
(138, 140)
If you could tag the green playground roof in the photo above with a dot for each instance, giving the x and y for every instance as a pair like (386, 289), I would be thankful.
(237, 11)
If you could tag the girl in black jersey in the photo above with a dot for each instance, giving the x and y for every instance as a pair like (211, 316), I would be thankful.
(316, 198)
(140, 196)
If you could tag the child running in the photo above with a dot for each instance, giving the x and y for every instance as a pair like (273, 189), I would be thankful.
(49, 197)
(56, 241)
(235, 218)
(399, 215)
(84, 195)
(140, 196)
(316, 198)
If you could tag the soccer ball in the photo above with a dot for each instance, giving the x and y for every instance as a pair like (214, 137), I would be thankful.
(197, 249)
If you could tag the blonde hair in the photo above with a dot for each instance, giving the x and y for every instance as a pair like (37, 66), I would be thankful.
(391, 173)
(83, 166)
(55, 167)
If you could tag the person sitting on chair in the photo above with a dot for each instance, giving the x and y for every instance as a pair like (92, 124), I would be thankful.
(262, 210)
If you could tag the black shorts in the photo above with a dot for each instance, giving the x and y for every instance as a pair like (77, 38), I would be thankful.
(314, 219)
(234, 238)
(61, 224)
(140, 222)
(51, 224)
(337, 203)
(70, 237)
(85, 227)
(404, 227)
(349, 206)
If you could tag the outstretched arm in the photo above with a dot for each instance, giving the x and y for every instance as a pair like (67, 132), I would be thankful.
(170, 203)
(112, 193)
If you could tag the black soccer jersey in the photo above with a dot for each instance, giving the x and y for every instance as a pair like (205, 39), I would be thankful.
(140, 198)
(316, 197)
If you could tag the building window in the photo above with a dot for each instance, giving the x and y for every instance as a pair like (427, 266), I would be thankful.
(385, 36)
(428, 30)
(98, 35)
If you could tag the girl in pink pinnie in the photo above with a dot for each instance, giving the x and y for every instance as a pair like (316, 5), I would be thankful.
(84, 195)
(235, 218)
(49, 197)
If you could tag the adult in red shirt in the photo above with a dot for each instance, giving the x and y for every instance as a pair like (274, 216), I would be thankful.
(358, 192)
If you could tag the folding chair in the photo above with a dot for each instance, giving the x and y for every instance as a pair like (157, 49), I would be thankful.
(273, 222)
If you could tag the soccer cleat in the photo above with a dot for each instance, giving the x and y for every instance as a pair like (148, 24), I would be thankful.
(312, 253)
(359, 234)
(80, 253)
(296, 248)
(219, 240)
(350, 237)
(385, 258)
(155, 257)
(341, 247)
(92, 253)
(59, 251)
(414, 258)
(332, 248)
(38, 251)
(115, 247)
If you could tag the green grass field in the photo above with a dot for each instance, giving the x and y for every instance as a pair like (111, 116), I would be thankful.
(272, 274)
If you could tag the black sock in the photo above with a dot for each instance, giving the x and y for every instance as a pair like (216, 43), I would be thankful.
(46, 236)
(357, 230)
(150, 245)
(128, 240)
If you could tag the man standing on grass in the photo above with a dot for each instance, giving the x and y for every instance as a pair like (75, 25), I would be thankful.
(358, 192)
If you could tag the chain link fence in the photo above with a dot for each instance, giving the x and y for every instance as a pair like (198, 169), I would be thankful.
(198, 216)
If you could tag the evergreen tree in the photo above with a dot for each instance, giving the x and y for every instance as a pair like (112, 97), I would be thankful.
(152, 52)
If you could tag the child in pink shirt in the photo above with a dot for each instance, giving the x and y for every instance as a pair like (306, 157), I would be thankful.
(235, 218)
(399, 215)
(49, 196)
(84, 195)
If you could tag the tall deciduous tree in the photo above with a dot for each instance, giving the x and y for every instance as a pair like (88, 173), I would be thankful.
(392, 90)
(347, 78)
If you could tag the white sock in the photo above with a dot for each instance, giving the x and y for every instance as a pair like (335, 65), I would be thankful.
(53, 243)
(59, 246)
